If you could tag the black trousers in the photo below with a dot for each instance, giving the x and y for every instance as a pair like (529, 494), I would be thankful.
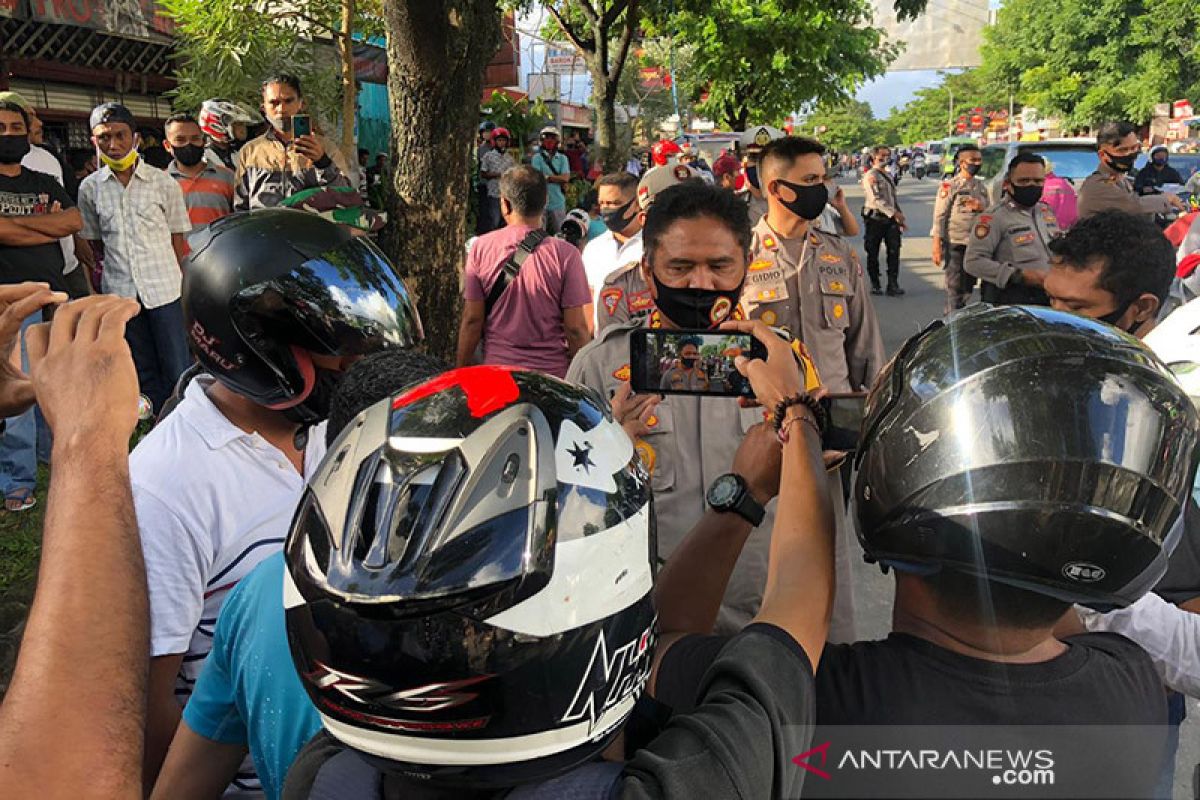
(882, 231)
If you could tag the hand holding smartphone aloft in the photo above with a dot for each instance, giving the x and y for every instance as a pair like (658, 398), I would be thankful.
(696, 362)
(301, 125)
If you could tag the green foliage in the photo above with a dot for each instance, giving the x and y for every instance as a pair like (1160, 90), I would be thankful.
(1094, 61)
(928, 115)
(848, 126)
(656, 104)
(225, 47)
(522, 118)
(762, 60)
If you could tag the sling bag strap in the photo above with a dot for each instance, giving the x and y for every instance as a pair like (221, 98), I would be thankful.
(511, 268)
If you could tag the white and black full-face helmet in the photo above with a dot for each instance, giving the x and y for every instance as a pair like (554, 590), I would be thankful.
(1028, 446)
(469, 577)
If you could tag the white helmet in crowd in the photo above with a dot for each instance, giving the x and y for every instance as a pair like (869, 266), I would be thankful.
(1176, 340)
(217, 118)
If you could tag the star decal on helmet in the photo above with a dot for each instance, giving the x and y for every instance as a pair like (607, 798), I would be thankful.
(582, 456)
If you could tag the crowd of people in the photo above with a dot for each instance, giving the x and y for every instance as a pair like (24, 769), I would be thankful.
(338, 567)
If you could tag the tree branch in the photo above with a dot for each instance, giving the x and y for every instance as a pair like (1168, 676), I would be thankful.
(581, 44)
(626, 39)
(613, 12)
(282, 15)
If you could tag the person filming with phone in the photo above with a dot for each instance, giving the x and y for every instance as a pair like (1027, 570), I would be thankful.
(687, 372)
(290, 157)
(694, 263)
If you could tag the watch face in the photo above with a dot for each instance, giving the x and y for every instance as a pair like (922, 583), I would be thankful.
(723, 491)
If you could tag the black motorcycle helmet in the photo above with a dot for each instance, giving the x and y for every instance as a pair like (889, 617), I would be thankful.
(264, 290)
(1031, 447)
(469, 576)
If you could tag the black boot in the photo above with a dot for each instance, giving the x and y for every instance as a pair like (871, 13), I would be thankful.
(876, 288)
(894, 290)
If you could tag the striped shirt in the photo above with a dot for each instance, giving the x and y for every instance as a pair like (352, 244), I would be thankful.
(212, 501)
(208, 196)
(135, 224)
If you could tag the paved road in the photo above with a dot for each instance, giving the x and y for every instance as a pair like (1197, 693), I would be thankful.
(900, 317)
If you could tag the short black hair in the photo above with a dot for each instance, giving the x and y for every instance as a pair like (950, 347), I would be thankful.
(78, 157)
(692, 340)
(287, 79)
(362, 151)
(8, 105)
(690, 200)
(780, 154)
(877, 148)
(1113, 132)
(1135, 257)
(968, 597)
(525, 188)
(1025, 157)
(625, 181)
(965, 148)
(179, 119)
(374, 378)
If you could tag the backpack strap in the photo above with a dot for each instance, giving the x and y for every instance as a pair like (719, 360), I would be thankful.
(511, 268)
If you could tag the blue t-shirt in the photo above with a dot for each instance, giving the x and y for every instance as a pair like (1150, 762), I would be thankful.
(542, 162)
(248, 692)
(595, 228)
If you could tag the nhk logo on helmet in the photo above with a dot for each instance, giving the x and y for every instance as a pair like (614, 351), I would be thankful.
(611, 678)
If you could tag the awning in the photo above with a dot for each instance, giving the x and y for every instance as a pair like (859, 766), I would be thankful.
(514, 94)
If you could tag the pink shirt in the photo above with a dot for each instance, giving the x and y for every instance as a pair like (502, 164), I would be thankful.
(1059, 194)
(525, 327)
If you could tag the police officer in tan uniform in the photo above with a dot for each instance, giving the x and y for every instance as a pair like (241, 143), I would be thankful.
(1110, 188)
(686, 375)
(751, 143)
(625, 295)
(696, 251)
(1009, 249)
(884, 222)
(806, 280)
(960, 200)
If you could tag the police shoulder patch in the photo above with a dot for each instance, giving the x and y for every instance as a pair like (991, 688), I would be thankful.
(622, 373)
(984, 226)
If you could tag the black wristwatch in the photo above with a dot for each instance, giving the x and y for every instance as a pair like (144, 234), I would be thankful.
(730, 493)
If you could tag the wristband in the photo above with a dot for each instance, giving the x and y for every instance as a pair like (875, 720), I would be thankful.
(820, 415)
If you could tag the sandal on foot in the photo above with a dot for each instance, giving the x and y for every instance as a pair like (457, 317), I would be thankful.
(20, 500)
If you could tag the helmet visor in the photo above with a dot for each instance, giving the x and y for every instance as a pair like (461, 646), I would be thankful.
(346, 301)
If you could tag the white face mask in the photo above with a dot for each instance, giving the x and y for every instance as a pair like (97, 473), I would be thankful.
(276, 123)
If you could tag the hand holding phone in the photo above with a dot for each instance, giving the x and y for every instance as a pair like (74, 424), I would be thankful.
(301, 125)
(696, 362)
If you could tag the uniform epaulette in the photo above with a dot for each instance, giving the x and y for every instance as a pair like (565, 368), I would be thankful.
(621, 270)
(618, 327)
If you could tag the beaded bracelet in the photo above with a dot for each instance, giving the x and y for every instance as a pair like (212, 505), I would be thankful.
(820, 415)
(783, 434)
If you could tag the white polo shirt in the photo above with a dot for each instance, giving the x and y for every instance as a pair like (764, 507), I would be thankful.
(39, 159)
(212, 502)
(603, 256)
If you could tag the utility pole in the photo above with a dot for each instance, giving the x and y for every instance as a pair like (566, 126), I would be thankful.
(950, 115)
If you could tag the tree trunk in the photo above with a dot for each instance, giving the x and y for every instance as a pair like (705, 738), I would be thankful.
(349, 93)
(604, 93)
(437, 51)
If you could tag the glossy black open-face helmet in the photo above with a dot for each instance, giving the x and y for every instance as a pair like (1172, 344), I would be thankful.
(469, 578)
(1028, 446)
(264, 290)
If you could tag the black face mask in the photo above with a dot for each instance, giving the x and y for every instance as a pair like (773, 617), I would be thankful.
(1121, 163)
(810, 200)
(315, 407)
(615, 220)
(1160, 162)
(972, 169)
(189, 155)
(688, 363)
(752, 175)
(695, 308)
(13, 148)
(1027, 196)
(1112, 317)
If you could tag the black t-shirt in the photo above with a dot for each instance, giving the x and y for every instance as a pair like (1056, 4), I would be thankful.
(1182, 580)
(886, 689)
(31, 193)
(754, 714)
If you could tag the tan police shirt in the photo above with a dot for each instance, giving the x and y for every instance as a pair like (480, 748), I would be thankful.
(1109, 190)
(879, 193)
(1009, 237)
(624, 297)
(955, 210)
(692, 441)
(813, 287)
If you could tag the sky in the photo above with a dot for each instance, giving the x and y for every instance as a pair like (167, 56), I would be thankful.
(895, 89)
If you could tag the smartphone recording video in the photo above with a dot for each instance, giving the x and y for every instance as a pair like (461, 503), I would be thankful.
(301, 125)
(690, 362)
